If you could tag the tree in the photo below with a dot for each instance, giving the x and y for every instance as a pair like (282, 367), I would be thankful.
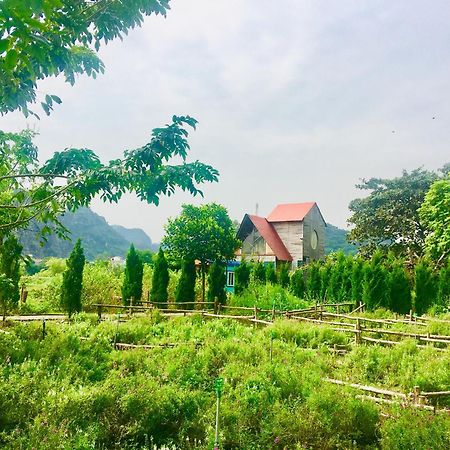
(160, 279)
(435, 217)
(313, 280)
(185, 291)
(44, 38)
(205, 233)
(241, 277)
(271, 275)
(399, 288)
(298, 287)
(10, 254)
(132, 282)
(388, 218)
(283, 275)
(358, 272)
(325, 276)
(425, 287)
(73, 177)
(72, 283)
(259, 272)
(146, 256)
(375, 285)
(216, 283)
(444, 286)
(337, 277)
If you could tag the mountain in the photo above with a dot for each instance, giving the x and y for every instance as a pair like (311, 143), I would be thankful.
(336, 239)
(99, 238)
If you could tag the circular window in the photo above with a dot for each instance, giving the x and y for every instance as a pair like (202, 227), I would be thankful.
(314, 239)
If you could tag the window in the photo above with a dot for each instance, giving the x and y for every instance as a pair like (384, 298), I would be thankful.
(230, 279)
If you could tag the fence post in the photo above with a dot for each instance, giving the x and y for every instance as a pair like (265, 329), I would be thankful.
(215, 305)
(321, 312)
(131, 305)
(219, 308)
(99, 312)
(273, 313)
(337, 309)
(43, 329)
(255, 311)
(358, 331)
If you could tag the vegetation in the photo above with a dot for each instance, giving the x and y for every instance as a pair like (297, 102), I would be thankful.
(72, 280)
(132, 283)
(205, 233)
(186, 285)
(241, 277)
(73, 389)
(216, 283)
(10, 253)
(160, 280)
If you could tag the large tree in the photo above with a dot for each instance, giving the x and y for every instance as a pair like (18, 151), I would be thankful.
(435, 216)
(388, 217)
(43, 38)
(205, 233)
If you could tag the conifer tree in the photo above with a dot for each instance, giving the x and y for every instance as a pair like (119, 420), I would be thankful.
(259, 272)
(132, 282)
(336, 278)
(298, 286)
(216, 283)
(72, 283)
(345, 292)
(357, 280)
(444, 286)
(10, 253)
(241, 277)
(313, 281)
(399, 288)
(283, 276)
(271, 276)
(185, 291)
(425, 287)
(375, 287)
(160, 279)
(325, 276)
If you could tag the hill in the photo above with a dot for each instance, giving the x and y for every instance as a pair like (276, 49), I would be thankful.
(336, 239)
(99, 238)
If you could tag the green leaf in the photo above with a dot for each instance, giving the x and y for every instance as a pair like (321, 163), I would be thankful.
(3, 45)
(11, 59)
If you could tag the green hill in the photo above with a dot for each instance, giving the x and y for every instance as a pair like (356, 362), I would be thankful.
(336, 239)
(99, 238)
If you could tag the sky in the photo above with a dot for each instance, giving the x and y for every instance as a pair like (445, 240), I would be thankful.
(296, 100)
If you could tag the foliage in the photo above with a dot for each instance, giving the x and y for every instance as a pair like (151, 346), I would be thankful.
(283, 275)
(72, 282)
(71, 178)
(132, 282)
(216, 283)
(186, 284)
(44, 38)
(259, 272)
(399, 288)
(444, 286)
(160, 280)
(10, 252)
(336, 240)
(388, 217)
(271, 275)
(425, 287)
(337, 277)
(146, 256)
(313, 283)
(298, 287)
(375, 285)
(435, 217)
(358, 272)
(241, 277)
(203, 232)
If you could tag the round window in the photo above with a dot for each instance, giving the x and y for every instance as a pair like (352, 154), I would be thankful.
(314, 239)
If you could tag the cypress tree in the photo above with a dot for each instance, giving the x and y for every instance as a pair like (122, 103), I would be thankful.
(345, 292)
(185, 291)
(444, 286)
(357, 280)
(325, 276)
(216, 283)
(399, 288)
(271, 276)
(283, 276)
(313, 281)
(259, 272)
(375, 287)
(160, 279)
(72, 283)
(132, 282)
(337, 276)
(10, 253)
(298, 287)
(425, 287)
(241, 277)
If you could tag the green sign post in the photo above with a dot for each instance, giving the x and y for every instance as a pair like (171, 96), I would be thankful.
(218, 385)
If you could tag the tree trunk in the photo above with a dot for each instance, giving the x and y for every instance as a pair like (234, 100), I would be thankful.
(203, 280)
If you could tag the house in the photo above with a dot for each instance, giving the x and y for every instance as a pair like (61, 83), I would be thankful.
(292, 233)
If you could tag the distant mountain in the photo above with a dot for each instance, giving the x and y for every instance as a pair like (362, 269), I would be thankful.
(336, 239)
(99, 238)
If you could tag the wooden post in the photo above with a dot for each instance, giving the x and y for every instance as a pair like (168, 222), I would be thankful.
(131, 305)
(410, 315)
(321, 312)
(255, 311)
(99, 312)
(43, 329)
(416, 394)
(216, 303)
(358, 331)
(219, 308)
(273, 313)
(337, 309)
(271, 347)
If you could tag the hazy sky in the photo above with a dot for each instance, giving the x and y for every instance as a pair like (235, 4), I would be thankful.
(296, 100)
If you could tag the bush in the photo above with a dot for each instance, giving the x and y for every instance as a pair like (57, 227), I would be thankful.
(271, 276)
(216, 283)
(241, 277)
(298, 283)
(425, 287)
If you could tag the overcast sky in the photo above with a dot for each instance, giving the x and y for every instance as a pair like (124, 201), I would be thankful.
(296, 100)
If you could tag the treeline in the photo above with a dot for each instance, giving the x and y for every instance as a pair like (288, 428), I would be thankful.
(380, 282)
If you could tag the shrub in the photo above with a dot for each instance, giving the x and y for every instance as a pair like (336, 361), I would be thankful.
(271, 275)
(186, 284)
(283, 276)
(313, 280)
(216, 283)
(399, 288)
(425, 287)
(375, 286)
(241, 277)
(298, 283)
(259, 272)
(160, 280)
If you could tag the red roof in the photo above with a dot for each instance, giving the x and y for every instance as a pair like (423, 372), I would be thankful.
(269, 234)
(290, 212)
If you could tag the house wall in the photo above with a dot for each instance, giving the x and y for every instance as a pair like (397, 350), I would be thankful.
(291, 233)
(313, 222)
(254, 244)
